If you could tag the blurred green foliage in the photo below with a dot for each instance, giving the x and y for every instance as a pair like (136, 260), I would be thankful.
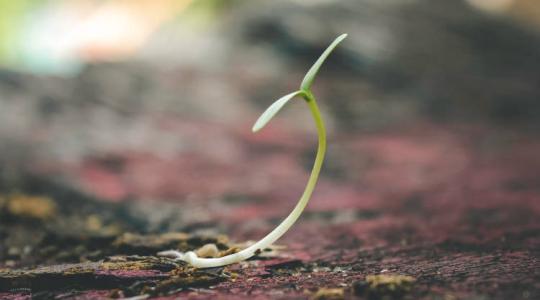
(12, 16)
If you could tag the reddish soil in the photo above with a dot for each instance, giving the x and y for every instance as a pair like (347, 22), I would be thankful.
(455, 208)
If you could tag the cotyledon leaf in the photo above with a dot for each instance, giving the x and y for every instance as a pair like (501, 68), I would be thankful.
(310, 75)
(272, 110)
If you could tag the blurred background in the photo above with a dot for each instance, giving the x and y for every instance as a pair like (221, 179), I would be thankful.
(432, 108)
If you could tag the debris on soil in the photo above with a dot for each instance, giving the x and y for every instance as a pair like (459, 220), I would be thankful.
(132, 275)
(183, 279)
(102, 274)
(208, 251)
(329, 294)
(384, 286)
(150, 244)
(26, 206)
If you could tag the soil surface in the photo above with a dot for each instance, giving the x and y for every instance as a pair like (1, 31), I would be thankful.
(420, 212)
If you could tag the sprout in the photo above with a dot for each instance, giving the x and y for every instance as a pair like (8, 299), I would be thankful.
(305, 93)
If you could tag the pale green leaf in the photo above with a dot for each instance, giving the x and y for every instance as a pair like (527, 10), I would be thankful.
(310, 75)
(272, 110)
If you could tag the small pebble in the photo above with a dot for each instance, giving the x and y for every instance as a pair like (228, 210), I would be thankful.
(208, 251)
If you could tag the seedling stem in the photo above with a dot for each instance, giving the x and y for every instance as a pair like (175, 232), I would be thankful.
(305, 93)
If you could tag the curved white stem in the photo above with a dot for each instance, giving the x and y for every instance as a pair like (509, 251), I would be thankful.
(191, 257)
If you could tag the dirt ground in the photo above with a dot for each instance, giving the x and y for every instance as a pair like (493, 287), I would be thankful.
(417, 212)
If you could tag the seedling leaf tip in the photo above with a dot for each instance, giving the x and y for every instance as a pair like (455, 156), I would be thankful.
(310, 75)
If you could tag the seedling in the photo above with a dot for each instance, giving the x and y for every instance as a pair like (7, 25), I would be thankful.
(305, 93)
